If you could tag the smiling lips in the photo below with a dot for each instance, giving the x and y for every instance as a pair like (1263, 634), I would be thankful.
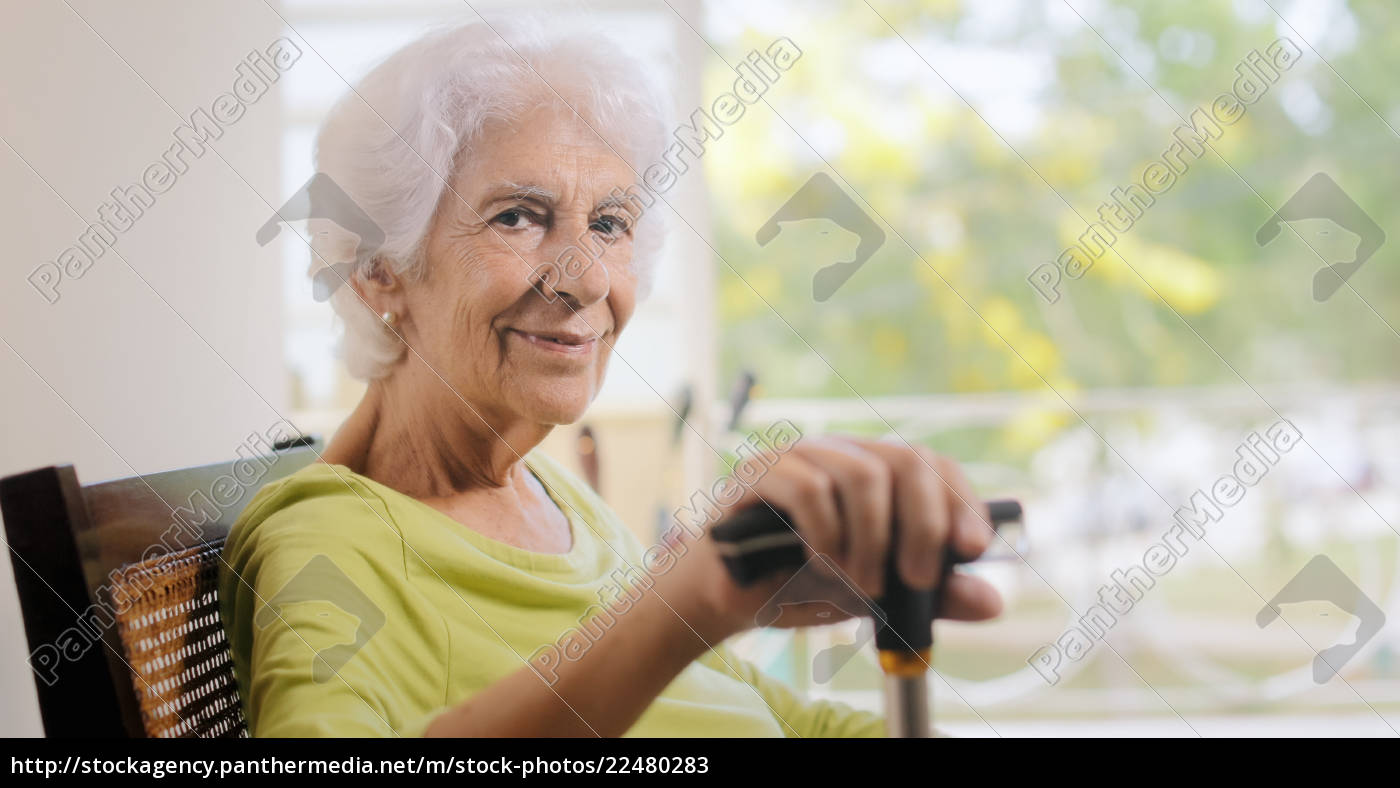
(563, 342)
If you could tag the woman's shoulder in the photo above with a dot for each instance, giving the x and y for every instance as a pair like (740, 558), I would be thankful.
(314, 506)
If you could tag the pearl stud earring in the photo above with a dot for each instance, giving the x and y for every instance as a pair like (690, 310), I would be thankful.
(389, 318)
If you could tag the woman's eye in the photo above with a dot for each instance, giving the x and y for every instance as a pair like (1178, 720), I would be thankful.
(611, 225)
(512, 218)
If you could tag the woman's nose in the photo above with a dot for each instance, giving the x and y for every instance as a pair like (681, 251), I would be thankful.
(578, 276)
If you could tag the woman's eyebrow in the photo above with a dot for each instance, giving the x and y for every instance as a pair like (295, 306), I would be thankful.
(619, 202)
(524, 191)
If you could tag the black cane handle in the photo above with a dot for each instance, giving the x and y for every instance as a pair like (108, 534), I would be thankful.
(759, 541)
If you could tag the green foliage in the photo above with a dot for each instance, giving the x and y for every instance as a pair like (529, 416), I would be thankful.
(979, 218)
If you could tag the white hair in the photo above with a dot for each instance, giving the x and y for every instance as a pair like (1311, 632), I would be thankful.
(394, 141)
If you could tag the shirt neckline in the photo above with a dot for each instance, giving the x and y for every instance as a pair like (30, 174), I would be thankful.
(581, 553)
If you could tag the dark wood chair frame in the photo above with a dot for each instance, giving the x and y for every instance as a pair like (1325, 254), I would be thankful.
(65, 542)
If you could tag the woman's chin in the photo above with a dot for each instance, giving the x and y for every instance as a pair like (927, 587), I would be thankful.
(554, 407)
(561, 417)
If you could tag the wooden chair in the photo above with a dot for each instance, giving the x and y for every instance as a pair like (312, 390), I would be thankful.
(117, 583)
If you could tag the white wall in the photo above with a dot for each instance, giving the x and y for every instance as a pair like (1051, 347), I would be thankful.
(148, 392)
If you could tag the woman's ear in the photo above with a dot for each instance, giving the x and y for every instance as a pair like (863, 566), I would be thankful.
(380, 276)
(377, 285)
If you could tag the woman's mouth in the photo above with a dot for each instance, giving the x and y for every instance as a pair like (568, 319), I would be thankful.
(561, 342)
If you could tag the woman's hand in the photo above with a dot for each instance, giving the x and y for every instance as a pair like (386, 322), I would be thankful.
(844, 496)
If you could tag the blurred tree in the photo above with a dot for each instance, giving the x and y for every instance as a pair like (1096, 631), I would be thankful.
(979, 217)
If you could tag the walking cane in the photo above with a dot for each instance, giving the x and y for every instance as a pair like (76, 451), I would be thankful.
(759, 541)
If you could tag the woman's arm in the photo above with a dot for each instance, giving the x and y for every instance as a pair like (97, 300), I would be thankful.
(800, 717)
(325, 659)
(835, 496)
(843, 496)
(605, 690)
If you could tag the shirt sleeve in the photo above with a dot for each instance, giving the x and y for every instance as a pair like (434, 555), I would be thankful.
(316, 589)
(801, 717)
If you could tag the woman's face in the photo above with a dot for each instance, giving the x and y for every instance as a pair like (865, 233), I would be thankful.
(479, 317)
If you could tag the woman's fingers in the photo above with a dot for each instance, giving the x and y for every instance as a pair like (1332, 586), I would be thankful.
(936, 510)
(854, 500)
(864, 493)
(807, 493)
(973, 531)
(969, 598)
(922, 509)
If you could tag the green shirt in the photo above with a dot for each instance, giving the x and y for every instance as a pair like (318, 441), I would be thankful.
(355, 610)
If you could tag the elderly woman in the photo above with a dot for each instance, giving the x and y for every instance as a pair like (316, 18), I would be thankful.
(416, 581)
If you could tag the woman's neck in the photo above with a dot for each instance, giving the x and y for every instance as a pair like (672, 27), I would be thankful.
(463, 463)
(429, 444)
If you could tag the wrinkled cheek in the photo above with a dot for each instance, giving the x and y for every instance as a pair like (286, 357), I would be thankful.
(626, 266)
(623, 292)
(471, 346)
